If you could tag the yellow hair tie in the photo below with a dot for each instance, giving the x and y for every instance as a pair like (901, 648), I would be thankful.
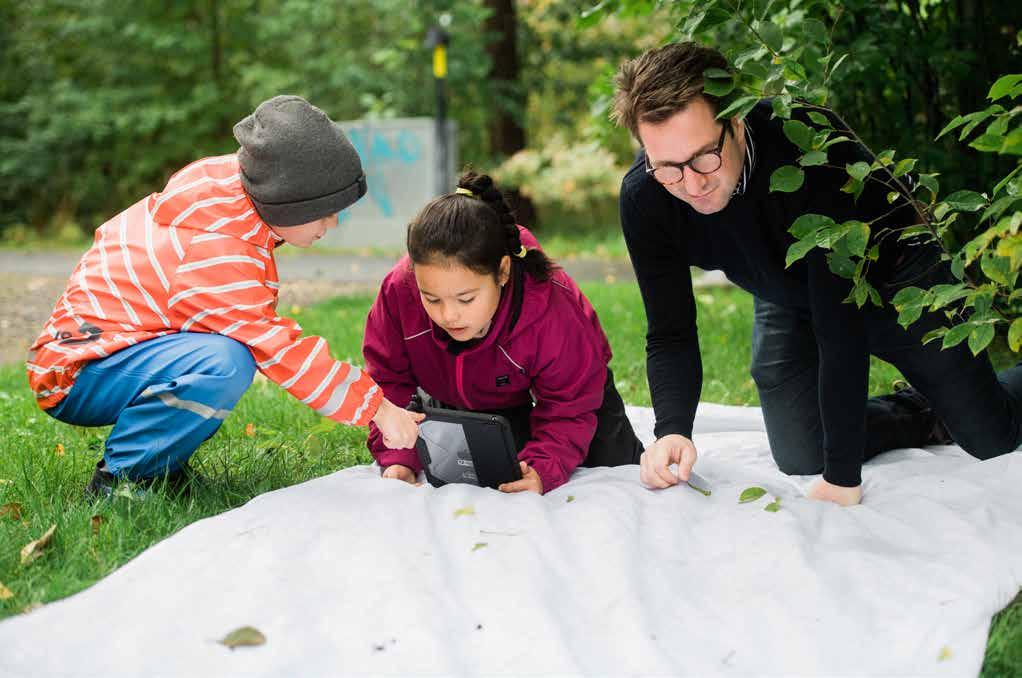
(466, 191)
(521, 252)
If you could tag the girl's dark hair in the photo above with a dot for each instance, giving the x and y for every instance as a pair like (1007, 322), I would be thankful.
(475, 230)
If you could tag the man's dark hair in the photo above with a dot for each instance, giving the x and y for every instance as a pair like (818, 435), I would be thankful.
(663, 81)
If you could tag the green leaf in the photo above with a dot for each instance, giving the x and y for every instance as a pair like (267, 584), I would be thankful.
(909, 315)
(798, 250)
(835, 140)
(929, 182)
(782, 106)
(840, 265)
(980, 338)
(718, 87)
(774, 506)
(934, 334)
(799, 134)
(857, 237)
(904, 166)
(700, 490)
(892, 196)
(909, 296)
(1006, 85)
(786, 179)
(479, 545)
(772, 36)
(858, 171)
(739, 107)
(813, 158)
(809, 223)
(570, 499)
(966, 201)
(750, 494)
(246, 636)
(958, 121)
(996, 268)
(819, 118)
(815, 30)
(837, 64)
(1015, 335)
(956, 335)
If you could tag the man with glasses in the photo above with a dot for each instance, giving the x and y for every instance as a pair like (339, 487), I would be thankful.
(698, 195)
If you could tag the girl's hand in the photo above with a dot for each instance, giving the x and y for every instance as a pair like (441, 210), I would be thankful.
(398, 426)
(821, 490)
(399, 472)
(530, 481)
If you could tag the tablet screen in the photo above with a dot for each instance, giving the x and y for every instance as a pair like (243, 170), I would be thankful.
(451, 460)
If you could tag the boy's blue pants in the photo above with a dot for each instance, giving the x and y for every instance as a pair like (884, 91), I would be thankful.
(164, 397)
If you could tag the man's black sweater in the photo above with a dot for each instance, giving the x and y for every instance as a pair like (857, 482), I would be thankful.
(748, 240)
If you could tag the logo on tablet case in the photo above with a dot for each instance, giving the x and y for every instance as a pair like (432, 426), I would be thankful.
(503, 380)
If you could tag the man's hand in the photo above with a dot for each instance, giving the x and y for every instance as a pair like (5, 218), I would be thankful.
(530, 481)
(398, 426)
(821, 490)
(671, 449)
(399, 472)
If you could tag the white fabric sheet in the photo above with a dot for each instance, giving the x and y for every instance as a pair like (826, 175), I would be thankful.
(350, 574)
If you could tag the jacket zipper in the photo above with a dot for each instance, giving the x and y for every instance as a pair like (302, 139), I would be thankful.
(459, 380)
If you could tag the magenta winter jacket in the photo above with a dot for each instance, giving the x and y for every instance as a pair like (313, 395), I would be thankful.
(557, 352)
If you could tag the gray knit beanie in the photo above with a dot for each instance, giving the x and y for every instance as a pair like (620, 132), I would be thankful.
(296, 165)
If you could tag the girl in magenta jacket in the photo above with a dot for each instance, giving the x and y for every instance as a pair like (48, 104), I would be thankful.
(480, 319)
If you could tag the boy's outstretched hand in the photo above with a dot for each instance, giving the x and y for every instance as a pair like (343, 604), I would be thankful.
(398, 426)
(821, 490)
(530, 481)
(399, 472)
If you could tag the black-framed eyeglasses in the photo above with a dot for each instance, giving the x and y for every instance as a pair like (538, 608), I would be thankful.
(705, 163)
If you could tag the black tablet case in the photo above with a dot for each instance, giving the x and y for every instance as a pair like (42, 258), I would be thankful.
(467, 447)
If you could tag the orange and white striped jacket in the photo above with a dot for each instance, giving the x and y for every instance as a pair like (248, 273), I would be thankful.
(194, 258)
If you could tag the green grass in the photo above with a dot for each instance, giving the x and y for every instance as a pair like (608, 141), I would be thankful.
(291, 444)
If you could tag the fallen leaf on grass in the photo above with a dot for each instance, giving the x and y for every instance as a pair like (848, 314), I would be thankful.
(96, 521)
(479, 545)
(704, 492)
(945, 654)
(250, 430)
(34, 549)
(750, 494)
(59, 450)
(245, 636)
(5, 593)
(465, 511)
(12, 511)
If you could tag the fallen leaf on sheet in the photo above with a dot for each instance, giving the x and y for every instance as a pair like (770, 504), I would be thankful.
(245, 636)
(465, 511)
(5, 593)
(34, 549)
(570, 499)
(704, 492)
(750, 494)
(59, 450)
(479, 545)
(96, 522)
(774, 506)
(12, 511)
(945, 654)
(250, 429)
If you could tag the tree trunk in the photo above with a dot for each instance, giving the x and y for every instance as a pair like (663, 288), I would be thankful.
(507, 136)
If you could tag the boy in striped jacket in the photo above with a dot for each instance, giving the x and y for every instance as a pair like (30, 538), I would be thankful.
(172, 310)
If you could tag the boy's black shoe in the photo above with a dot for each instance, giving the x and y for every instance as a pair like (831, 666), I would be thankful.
(182, 482)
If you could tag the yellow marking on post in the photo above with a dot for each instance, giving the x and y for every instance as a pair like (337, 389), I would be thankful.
(440, 61)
